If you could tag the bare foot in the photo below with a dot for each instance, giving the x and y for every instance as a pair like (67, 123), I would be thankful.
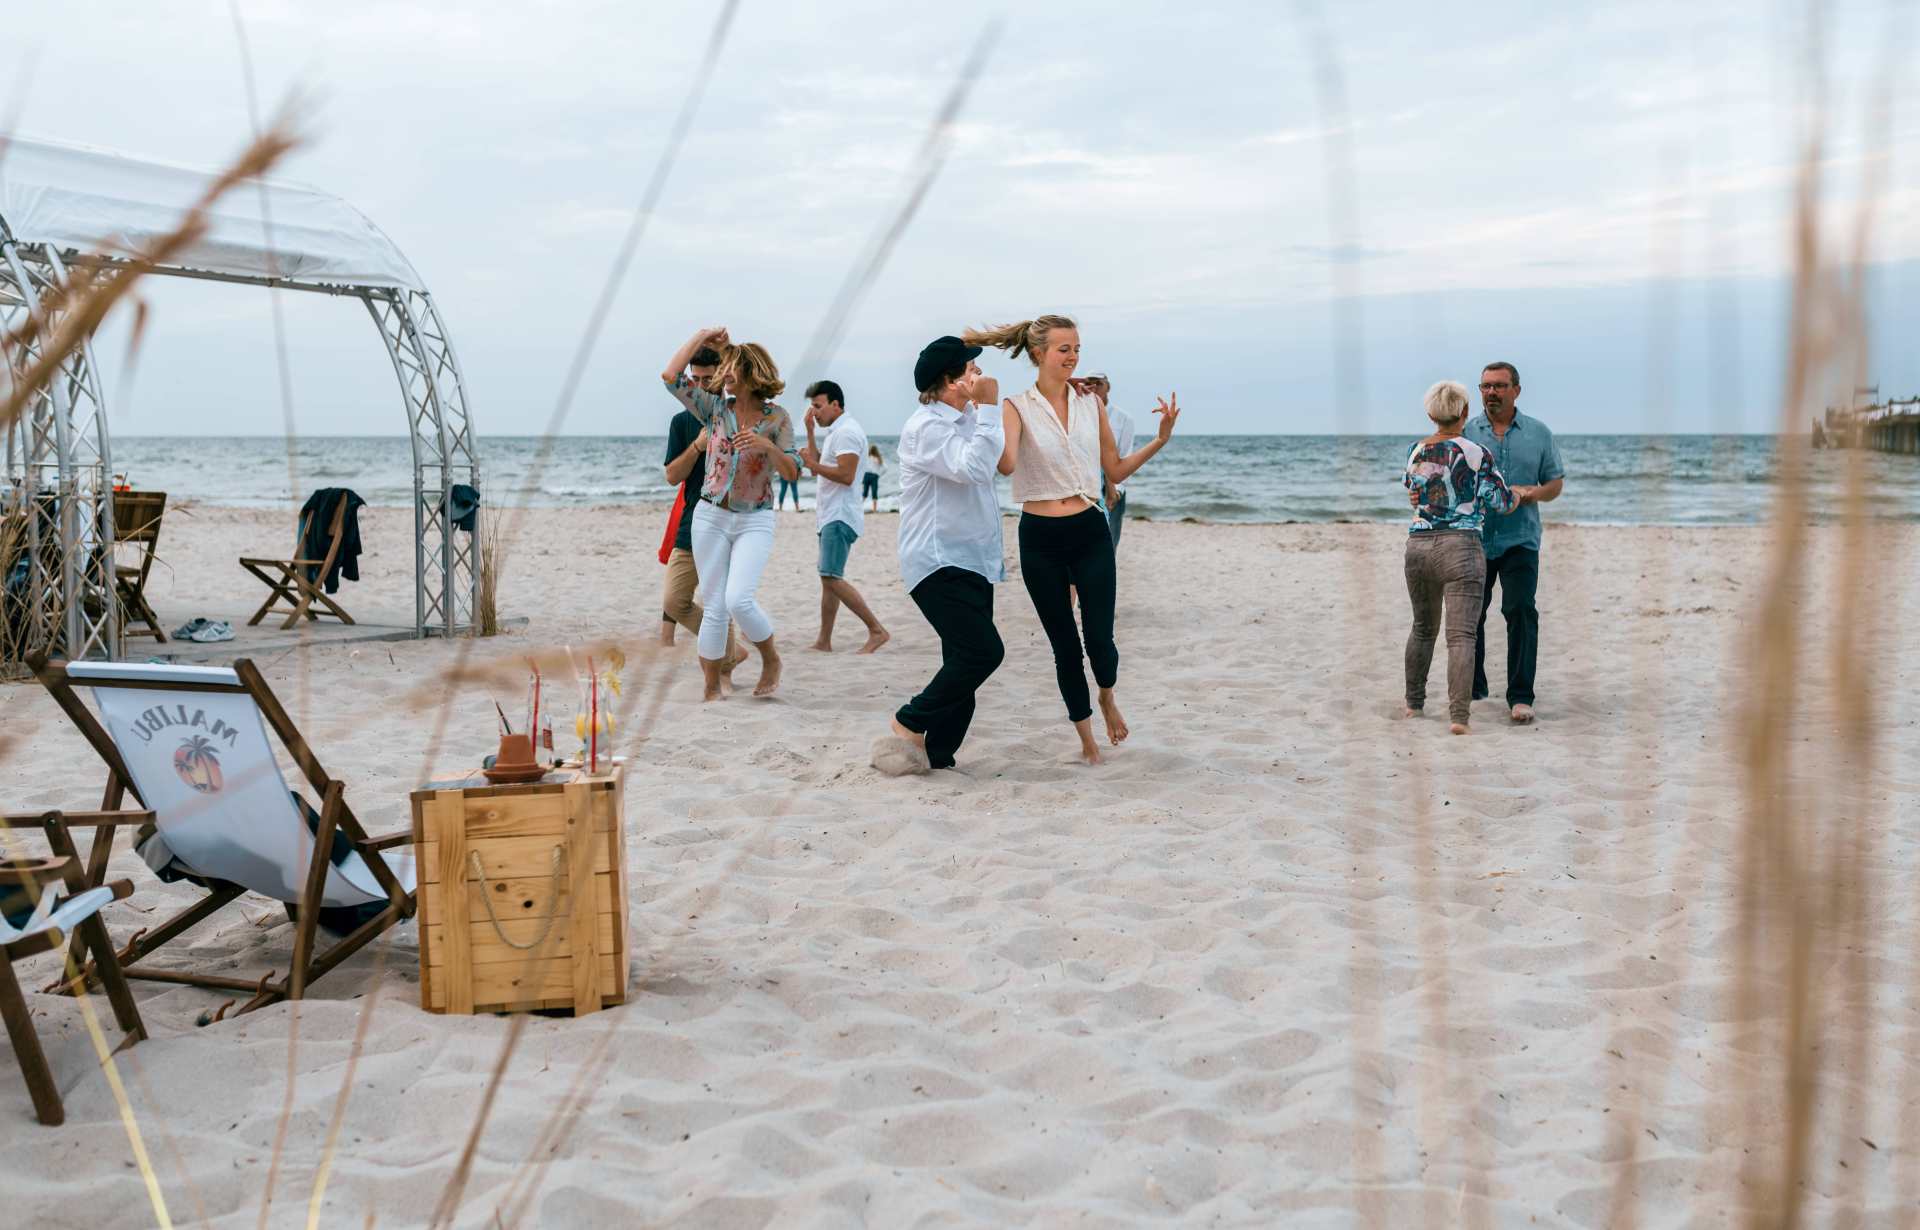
(875, 639)
(900, 753)
(1521, 715)
(769, 669)
(1458, 728)
(823, 645)
(1110, 714)
(1410, 712)
(666, 633)
(917, 740)
(734, 659)
(713, 676)
(1089, 747)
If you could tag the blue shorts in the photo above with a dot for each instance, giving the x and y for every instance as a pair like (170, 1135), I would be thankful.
(836, 540)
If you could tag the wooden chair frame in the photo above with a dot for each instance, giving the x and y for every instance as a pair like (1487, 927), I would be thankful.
(335, 817)
(65, 864)
(136, 520)
(292, 585)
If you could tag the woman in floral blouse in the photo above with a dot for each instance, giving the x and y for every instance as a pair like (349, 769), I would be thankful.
(749, 442)
(1452, 484)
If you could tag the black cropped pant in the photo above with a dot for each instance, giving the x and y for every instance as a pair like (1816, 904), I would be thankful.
(959, 605)
(1057, 556)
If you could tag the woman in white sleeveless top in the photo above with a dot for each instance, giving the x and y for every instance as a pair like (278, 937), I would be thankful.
(1061, 453)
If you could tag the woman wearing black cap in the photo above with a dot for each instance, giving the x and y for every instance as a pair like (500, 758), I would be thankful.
(1062, 454)
(951, 554)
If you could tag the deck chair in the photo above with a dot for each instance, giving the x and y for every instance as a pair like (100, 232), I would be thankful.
(191, 744)
(62, 906)
(297, 582)
(136, 523)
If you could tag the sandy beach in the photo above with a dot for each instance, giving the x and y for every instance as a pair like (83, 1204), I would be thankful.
(1283, 960)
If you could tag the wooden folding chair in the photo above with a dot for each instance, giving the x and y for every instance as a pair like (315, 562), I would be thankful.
(191, 744)
(56, 915)
(136, 522)
(290, 581)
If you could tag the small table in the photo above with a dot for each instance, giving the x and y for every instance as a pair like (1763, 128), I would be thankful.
(516, 935)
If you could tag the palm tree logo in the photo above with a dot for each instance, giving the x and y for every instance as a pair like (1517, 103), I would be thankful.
(197, 765)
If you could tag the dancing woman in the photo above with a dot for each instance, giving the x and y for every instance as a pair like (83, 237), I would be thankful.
(749, 441)
(1453, 484)
(1061, 452)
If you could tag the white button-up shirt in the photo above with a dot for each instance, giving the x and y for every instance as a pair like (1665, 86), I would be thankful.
(949, 510)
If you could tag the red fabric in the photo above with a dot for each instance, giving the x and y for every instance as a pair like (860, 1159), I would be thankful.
(673, 522)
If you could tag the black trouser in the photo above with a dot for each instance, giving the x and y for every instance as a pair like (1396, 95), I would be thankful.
(1058, 555)
(1518, 571)
(959, 605)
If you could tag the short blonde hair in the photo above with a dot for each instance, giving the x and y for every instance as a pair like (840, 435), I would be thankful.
(1028, 337)
(1447, 402)
(752, 369)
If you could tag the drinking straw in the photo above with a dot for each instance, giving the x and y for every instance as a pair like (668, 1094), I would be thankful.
(506, 727)
(593, 717)
(534, 732)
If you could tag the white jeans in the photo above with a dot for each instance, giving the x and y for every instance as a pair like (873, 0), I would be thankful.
(731, 549)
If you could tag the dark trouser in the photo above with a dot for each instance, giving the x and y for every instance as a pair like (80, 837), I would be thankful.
(1117, 517)
(1058, 555)
(1444, 566)
(959, 605)
(1518, 571)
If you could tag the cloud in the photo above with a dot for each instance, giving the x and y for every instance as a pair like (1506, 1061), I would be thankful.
(1155, 167)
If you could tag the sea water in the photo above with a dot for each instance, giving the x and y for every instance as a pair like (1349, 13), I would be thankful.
(1611, 480)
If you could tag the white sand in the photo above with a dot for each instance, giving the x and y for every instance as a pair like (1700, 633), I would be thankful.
(1283, 960)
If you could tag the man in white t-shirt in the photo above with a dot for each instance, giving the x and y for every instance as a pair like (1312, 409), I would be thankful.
(1123, 440)
(838, 459)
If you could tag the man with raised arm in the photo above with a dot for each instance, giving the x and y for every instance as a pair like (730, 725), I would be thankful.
(836, 503)
(951, 554)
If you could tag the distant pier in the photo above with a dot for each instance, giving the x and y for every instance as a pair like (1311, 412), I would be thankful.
(1889, 427)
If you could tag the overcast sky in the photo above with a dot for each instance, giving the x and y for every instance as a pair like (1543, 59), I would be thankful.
(1600, 197)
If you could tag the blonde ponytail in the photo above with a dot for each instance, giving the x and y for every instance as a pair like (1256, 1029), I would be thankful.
(1028, 337)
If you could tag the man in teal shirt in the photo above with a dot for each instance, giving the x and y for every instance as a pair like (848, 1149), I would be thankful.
(1526, 456)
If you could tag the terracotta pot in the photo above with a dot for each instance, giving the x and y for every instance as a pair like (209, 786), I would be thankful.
(516, 751)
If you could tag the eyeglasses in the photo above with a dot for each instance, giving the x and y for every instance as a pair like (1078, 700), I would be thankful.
(1488, 386)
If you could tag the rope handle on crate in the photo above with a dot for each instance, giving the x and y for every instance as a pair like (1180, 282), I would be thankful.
(553, 898)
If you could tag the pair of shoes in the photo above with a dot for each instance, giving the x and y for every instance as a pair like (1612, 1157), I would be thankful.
(205, 631)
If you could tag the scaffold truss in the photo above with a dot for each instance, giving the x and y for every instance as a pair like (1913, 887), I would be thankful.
(63, 207)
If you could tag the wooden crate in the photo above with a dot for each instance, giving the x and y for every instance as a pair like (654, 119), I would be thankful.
(581, 959)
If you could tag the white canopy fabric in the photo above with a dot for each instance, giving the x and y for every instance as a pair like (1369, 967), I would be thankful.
(103, 203)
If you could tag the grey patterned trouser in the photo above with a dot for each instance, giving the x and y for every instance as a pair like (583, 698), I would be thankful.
(1449, 565)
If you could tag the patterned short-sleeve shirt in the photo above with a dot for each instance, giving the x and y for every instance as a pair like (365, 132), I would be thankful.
(739, 483)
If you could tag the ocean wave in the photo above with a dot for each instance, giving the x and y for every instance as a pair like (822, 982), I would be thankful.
(1621, 479)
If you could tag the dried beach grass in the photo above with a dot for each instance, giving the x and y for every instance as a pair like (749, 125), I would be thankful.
(1809, 857)
(13, 611)
(486, 603)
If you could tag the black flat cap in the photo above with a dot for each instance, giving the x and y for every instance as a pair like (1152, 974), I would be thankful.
(940, 356)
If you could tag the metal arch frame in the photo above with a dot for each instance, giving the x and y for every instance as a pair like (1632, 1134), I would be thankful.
(59, 457)
(61, 447)
(439, 430)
